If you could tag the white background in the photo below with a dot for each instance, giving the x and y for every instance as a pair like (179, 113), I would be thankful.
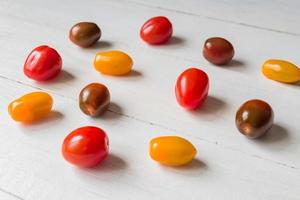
(227, 166)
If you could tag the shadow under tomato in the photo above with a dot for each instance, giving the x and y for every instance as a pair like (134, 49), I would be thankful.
(114, 111)
(176, 40)
(173, 41)
(41, 126)
(295, 85)
(210, 106)
(276, 138)
(212, 109)
(101, 44)
(51, 118)
(132, 74)
(196, 166)
(112, 168)
(193, 165)
(111, 115)
(234, 64)
(111, 163)
(63, 77)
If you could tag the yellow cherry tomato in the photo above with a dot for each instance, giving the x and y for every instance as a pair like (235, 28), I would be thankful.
(281, 70)
(114, 63)
(172, 150)
(31, 107)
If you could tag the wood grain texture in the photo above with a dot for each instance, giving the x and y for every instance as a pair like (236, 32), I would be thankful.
(278, 16)
(8, 196)
(228, 165)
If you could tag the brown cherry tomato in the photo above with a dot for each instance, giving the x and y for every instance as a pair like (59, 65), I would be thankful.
(254, 118)
(94, 99)
(218, 51)
(85, 34)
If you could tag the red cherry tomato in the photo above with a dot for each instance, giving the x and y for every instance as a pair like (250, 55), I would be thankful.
(192, 88)
(43, 63)
(156, 30)
(86, 146)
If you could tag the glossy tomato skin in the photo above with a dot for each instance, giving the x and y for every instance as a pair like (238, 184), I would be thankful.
(192, 88)
(43, 63)
(86, 146)
(218, 51)
(114, 63)
(254, 118)
(156, 30)
(94, 99)
(31, 107)
(172, 150)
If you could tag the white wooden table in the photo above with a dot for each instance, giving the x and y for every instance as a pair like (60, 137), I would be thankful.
(227, 166)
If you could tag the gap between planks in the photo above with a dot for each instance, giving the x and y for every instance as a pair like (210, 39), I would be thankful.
(216, 143)
(11, 194)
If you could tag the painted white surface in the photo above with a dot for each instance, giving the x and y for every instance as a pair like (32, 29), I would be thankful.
(7, 196)
(275, 15)
(228, 166)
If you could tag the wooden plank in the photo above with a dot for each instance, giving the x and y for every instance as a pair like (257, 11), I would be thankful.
(278, 16)
(148, 93)
(8, 196)
(33, 168)
(228, 166)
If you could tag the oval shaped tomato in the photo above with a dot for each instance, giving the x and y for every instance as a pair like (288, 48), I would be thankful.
(218, 51)
(192, 88)
(43, 63)
(86, 146)
(172, 150)
(156, 30)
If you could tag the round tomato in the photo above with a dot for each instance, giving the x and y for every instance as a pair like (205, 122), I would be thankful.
(86, 146)
(192, 88)
(43, 63)
(156, 30)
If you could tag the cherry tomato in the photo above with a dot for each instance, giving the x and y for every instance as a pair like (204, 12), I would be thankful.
(114, 63)
(281, 70)
(218, 51)
(43, 63)
(254, 118)
(94, 99)
(85, 34)
(86, 146)
(172, 150)
(156, 30)
(31, 107)
(192, 88)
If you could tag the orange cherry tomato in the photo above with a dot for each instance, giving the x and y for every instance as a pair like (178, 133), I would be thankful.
(172, 150)
(115, 63)
(281, 70)
(31, 107)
